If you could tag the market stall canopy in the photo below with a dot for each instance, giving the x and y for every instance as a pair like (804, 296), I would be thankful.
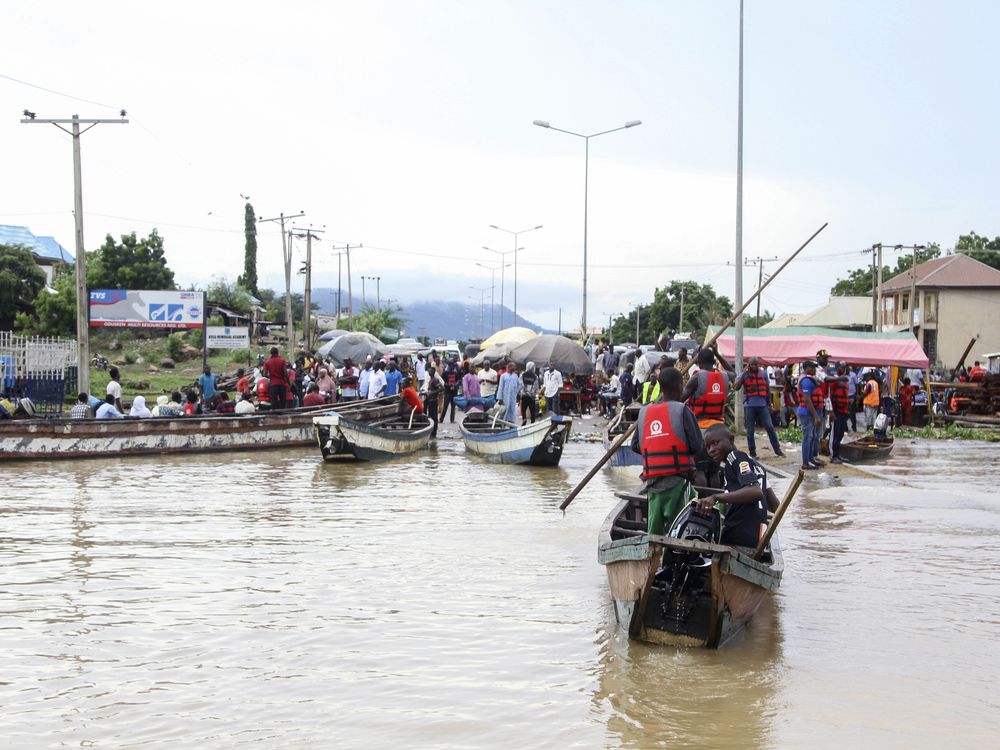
(495, 354)
(515, 335)
(357, 346)
(569, 357)
(785, 346)
(334, 334)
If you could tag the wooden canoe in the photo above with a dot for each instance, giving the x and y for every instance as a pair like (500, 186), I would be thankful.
(866, 448)
(341, 438)
(106, 438)
(537, 444)
(717, 598)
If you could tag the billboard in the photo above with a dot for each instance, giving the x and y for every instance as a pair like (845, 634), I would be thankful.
(128, 308)
(226, 337)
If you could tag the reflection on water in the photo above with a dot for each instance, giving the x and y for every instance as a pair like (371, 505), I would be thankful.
(276, 601)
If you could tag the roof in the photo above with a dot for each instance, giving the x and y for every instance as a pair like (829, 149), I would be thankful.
(784, 320)
(950, 270)
(44, 248)
(784, 346)
(840, 312)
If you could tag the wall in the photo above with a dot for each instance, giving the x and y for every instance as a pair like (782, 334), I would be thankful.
(962, 313)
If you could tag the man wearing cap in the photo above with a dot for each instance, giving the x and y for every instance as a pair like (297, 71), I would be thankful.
(841, 402)
(755, 396)
(809, 398)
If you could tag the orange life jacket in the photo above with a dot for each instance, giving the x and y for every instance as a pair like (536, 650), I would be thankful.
(664, 451)
(976, 374)
(712, 403)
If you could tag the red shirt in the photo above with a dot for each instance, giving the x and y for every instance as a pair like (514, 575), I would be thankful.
(275, 370)
(313, 399)
(243, 385)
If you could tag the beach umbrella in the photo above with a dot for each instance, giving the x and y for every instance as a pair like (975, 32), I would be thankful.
(496, 353)
(357, 346)
(334, 334)
(569, 357)
(514, 335)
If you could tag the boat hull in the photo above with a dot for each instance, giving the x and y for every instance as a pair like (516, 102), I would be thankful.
(734, 585)
(342, 439)
(538, 444)
(624, 460)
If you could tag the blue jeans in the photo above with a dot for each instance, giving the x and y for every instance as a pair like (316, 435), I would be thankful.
(819, 431)
(809, 432)
(760, 415)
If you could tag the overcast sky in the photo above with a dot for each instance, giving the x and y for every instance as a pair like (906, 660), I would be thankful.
(408, 127)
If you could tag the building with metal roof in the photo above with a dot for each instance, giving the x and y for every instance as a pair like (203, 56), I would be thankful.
(47, 251)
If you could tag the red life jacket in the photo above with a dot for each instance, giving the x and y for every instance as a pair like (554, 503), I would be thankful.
(262, 395)
(664, 451)
(817, 395)
(838, 397)
(754, 384)
(712, 403)
(976, 374)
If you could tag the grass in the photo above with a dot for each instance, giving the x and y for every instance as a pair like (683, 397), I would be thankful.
(950, 432)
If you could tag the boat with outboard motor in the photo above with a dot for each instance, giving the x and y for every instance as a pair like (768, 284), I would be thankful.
(105, 438)
(342, 438)
(682, 588)
(539, 443)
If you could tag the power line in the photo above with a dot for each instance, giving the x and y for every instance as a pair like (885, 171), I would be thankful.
(57, 93)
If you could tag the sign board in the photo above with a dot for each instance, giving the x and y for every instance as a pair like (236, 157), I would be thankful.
(128, 308)
(225, 337)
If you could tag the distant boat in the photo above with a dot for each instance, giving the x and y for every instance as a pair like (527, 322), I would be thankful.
(538, 444)
(112, 438)
(624, 460)
(341, 438)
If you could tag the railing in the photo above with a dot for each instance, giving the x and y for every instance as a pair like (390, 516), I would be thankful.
(37, 367)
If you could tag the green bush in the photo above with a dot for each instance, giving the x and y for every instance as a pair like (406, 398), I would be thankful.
(130, 358)
(175, 346)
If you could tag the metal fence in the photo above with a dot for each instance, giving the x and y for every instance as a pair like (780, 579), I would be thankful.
(42, 368)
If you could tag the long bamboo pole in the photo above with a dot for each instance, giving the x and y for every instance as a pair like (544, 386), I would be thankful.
(778, 514)
(620, 441)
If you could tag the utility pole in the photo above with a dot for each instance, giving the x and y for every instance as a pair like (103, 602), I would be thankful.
(880, 315)
(738, 413)
(378, 292)
(350, 289)
(364, 297)
(913, 284)
(874, 293)
(82, 298)
(286, 254)
(680, 322)
(638, 310)
(339, 284)
(307, 297)
(560, 321)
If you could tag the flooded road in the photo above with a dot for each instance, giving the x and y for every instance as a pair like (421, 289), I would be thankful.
(268, 600)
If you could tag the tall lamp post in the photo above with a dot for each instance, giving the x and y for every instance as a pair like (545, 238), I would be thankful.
(586, 172)
(482, 304)
(493, 284)
(503, 265)
(516, 248)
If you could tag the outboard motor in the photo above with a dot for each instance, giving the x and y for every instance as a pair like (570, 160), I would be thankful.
(685, 575)
(881, 429)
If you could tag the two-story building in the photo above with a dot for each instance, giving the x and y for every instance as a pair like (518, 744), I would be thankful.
(957, 297)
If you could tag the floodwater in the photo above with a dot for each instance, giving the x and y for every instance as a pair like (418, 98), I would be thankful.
(267, 600)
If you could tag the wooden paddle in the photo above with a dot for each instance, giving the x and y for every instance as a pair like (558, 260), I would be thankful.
(772, 527)
(620, 441)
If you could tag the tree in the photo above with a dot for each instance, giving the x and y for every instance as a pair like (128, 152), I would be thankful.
(752, 321)
(249, 278)
(20, 282)
(54, 308)
(982, 249)
(702, 307)
(861, 281)
(276, 308)
(132, 263)
(374, 320)
(231, 295)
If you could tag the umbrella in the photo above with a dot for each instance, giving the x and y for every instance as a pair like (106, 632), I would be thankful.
(515, 335)
(331, 335)
(568, 356)
(357, 346)
(495, 353)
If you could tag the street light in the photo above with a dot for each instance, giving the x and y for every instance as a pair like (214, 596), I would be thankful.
(493, 283)
(503, 264)
(516, 249)
(586, 171)
(482, 297)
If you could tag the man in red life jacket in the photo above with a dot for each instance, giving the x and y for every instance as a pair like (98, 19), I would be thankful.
(275, 370)
(756, 393)
(263, 392)
(706, 392)
(977, 374)
(668, 438)
(841, 404)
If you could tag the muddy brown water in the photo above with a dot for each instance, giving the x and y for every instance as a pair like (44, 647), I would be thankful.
(268, 600)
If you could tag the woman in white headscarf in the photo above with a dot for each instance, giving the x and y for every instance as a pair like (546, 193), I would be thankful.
(139, 408)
